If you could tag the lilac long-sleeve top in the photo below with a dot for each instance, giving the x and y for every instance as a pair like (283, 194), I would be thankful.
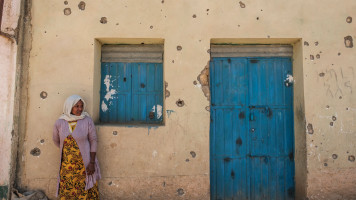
(85, 136)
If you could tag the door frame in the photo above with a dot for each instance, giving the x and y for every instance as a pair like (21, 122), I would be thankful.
(300, 147)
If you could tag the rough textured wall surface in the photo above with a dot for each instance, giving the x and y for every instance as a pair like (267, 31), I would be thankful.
(137, 161)
(8, 52)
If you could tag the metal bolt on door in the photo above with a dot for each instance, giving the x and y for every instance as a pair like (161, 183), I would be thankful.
(251, 134)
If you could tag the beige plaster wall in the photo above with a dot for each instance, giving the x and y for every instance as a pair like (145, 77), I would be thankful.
(8, 53)
(142, 162)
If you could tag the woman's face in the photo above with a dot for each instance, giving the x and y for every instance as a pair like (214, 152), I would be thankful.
(77, 108)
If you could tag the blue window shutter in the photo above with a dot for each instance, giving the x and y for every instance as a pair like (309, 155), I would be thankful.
(130, 91)
(147, 92)
(115, 104)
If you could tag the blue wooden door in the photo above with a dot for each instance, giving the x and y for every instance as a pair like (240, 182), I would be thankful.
(251, 129)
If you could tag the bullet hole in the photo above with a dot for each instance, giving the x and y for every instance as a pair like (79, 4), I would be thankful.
(193, 154)
(117, 24)
(187, 160)
(339, 54)
(207, 10)
(306, 43)
(333, 118)
(334, 156)
(65, 2)
(347, 108)
(45, 32)
(35, 152)
(194, 16)
(113, 145)
(310, 128)
(42, 141)
(207, 108)
(322, 74)
(261, 10)
(180, 103)
(179, 48)
(241, 115)
(347, 151)
(316, 43)
(238, 25)
(143, 85)
(348, 42)
(331, 123)
(327, 106)
(317, 56)
(167, 92)
(239, 141)
(208, 51)
(352, 158)
(103, 20)
(257, 18)
(311, 57)
(242, 5)
(67, 11)
(110, 183)
(151, 27)
(180, 192)
(268, 36)
(195, 82)
(349, 19)
(172, 61)
(325, 164)
(340, 97)
(81, 5)
(43, 94)
(114, 132)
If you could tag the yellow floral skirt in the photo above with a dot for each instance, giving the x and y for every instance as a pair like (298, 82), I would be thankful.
(72, 174)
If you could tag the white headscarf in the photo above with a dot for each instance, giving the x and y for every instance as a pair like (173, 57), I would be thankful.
(67, 108)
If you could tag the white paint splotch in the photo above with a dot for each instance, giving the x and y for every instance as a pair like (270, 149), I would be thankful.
(104, 107)
(109, 93)
(154, 153)
(289, 79)
(158, 109)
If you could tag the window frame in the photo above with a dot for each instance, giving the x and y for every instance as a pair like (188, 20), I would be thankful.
(148, 59)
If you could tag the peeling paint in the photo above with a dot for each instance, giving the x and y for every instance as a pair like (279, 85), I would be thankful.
(159, 111)
(104, 107)
(169, 112)
(154, 153)
(203, 79)
(289, 80)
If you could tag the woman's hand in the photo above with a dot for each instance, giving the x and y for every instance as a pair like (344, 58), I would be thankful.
(91, 168)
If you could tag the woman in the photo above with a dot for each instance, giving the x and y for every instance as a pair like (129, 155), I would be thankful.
(74, 133)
